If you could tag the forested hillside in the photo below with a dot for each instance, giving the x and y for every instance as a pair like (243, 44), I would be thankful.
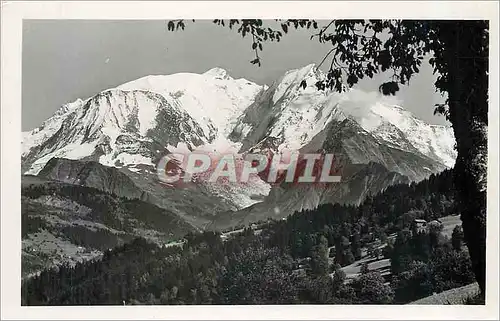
(297, 260)
(65, 223)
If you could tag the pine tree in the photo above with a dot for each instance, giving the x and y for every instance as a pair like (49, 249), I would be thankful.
(457, 237)
(319, 258)
(356, 246)
(364, 268)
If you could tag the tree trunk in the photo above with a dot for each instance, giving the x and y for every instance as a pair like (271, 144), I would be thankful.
(468, 106)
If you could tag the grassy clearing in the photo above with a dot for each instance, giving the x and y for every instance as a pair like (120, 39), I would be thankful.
(449, 223)
(462, 295)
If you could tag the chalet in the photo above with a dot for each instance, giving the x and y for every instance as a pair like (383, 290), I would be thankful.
(420, 225)
(434, 223)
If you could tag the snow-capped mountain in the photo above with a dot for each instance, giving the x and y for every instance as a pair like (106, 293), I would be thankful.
(288, 117)
(132, 126)
(213, 99)
(116, 128)
(134, 123)
(400, 128)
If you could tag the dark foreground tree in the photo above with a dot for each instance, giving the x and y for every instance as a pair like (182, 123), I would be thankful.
(459, 55)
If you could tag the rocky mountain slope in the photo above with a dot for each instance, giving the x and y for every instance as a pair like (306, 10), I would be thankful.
(354, 124)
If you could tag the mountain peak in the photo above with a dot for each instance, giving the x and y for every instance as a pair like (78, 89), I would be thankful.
(302, 73)
(217, 72)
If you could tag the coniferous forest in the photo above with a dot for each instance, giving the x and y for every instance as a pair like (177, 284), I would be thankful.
(289, 261)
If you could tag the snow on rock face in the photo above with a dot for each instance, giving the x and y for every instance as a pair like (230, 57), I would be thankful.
(382, 117)
(295, 116)
(115, 127)
(289, 115)
(210, 98)
(290, 82)
(39, 135)
(303, 113)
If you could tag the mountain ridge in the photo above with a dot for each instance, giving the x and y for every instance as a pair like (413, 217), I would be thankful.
(132, 126)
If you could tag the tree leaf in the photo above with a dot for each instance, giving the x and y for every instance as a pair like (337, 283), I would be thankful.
(389, 88)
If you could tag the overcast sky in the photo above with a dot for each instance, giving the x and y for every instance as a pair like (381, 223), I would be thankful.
(64, 60)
